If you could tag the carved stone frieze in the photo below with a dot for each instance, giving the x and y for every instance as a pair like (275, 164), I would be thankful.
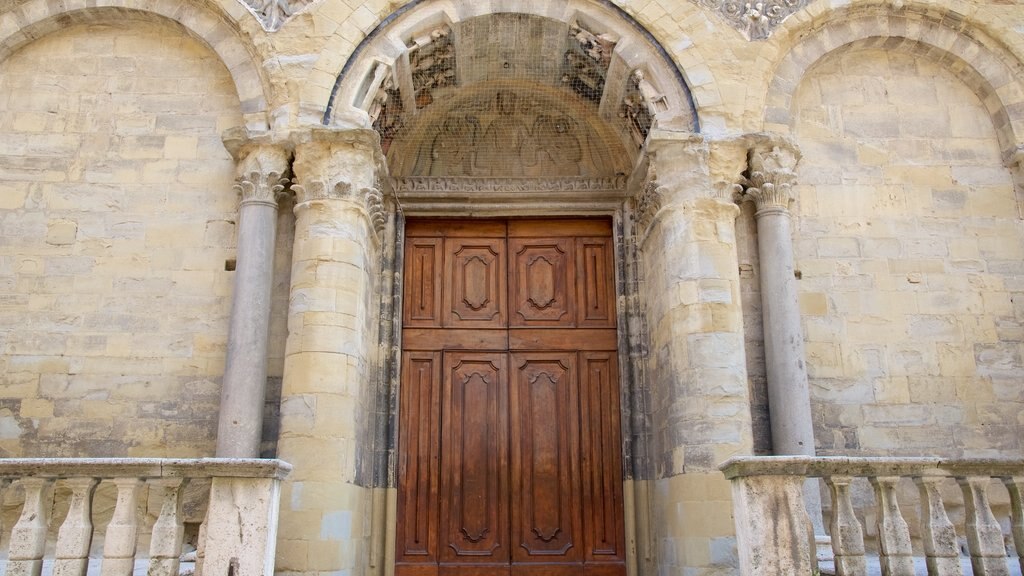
(263, 175)
(771, 175)
(586, 62)
(502, 185)
(432, 64)
(755, 19)
(272, 14)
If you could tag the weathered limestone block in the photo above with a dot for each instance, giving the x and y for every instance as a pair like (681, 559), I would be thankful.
(241, 526)
(773, 530)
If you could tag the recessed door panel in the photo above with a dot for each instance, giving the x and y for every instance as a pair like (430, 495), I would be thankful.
(418, 471)
(545, 455)
(542, 286)
(474, 467)
(475, 283)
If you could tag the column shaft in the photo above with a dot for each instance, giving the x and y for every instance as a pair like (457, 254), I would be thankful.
(788, 392)
(240, 426)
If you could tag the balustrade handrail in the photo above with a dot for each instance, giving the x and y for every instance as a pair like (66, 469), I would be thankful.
(237, 537)
(12, 468)
(824, 466)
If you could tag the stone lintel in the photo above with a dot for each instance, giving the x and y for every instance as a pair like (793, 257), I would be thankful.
(822, 466)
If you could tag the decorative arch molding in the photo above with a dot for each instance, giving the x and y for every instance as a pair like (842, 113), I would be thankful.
(994, 74)
(209, 24)
(387, 46)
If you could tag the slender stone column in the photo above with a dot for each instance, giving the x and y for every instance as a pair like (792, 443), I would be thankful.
(770, 188)
(771, 178)
(696, 370)
(327, 410)
(262, 179)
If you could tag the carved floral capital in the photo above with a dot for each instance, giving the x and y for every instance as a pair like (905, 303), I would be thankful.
(263, 175)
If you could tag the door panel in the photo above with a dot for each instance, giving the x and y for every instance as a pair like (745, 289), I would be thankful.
(474, 479)
(594, 269)
(545, 452)
(509, 452)
(542, 283)
(601, 475)
(475, 282)
(418, 460)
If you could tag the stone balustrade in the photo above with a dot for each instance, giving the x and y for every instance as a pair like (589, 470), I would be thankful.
(237, 538)
(774, 532)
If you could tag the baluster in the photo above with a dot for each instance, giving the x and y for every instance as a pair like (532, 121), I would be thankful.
(122, 532)
(201, 543)
(28, 538)
(847, 534)
(984, 535)
(1015, 486)
(75, 535)
(941, 549)
(3, 490)
(168, 531)
(893, 535)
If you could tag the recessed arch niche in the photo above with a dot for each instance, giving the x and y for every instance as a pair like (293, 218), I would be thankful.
(555, 90)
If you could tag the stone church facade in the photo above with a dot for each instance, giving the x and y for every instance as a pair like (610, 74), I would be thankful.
(567, 256)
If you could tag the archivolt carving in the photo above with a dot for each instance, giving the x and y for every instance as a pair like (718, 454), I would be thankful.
(755, 19)
(432, 62)
(640, 106)
(587, 61)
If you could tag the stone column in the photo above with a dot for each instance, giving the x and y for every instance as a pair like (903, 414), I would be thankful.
(771, 168)
(696, 370)
(262, 179)
(331, 354)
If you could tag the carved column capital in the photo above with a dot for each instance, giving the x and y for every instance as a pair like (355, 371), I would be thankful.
(771, 174)
(263, 174)
(727, 160)
(342, 165)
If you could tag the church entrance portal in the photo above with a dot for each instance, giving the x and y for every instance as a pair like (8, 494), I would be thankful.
(509, 437)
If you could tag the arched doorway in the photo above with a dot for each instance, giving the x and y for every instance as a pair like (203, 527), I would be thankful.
(514, 143)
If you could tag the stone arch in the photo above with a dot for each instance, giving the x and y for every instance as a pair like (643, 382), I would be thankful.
(993, 74)
(610, 60)
(218, 31)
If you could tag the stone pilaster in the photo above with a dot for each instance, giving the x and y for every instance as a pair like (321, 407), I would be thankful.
(263, 172)
(696, 370)
(331, 355)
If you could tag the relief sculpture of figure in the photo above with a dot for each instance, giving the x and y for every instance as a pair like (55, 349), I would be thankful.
(557, 147)
(451, 153)
(502, 151)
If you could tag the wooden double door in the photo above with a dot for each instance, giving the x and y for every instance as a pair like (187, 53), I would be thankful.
(509, 451)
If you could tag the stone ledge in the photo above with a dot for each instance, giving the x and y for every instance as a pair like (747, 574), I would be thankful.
(144, 468)
(867, 466)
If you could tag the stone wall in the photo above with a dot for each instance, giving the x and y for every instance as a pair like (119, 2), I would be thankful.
(910, 247)
(117, 218)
